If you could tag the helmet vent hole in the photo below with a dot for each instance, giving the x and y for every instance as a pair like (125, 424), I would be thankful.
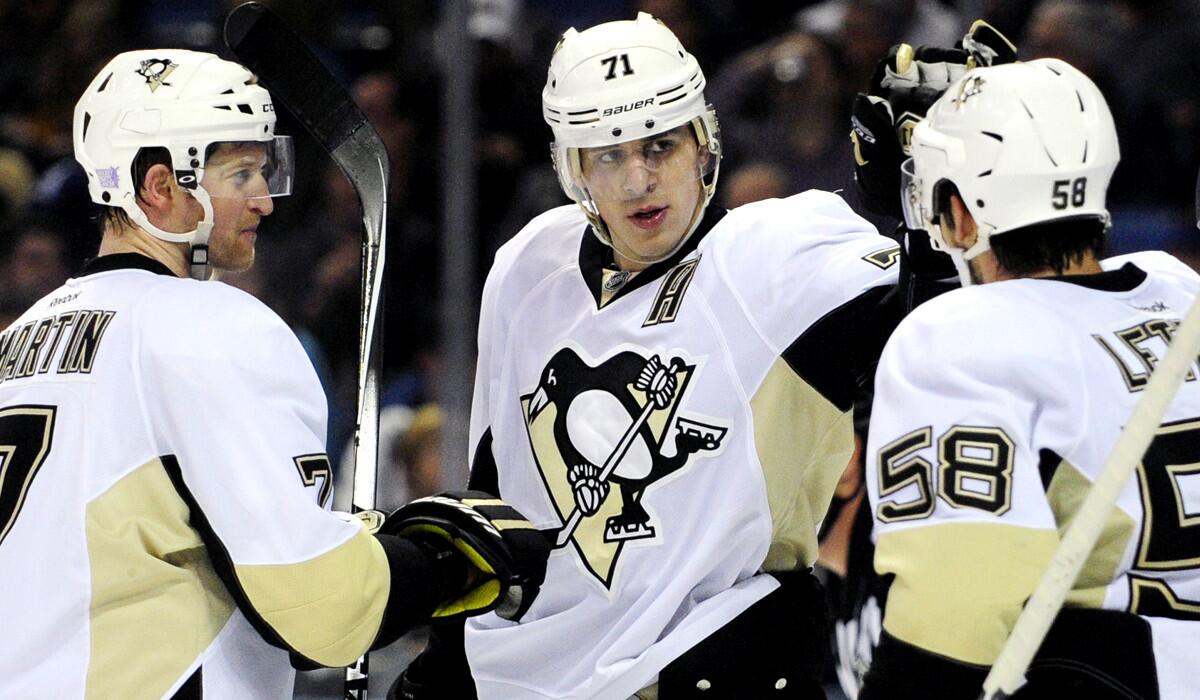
(979, 203)
(105, 196)
(228, 92)
(265, 128)
(224, 107)
(105, 83)
(1085, 149)
(616, 132)
(553, 84)
(87, 121)
(245, 109)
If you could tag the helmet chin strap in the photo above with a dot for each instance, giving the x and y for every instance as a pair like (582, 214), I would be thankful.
(962, 257)
(197, 238)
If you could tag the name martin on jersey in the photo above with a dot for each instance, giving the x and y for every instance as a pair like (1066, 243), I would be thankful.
(599, 432)
(73, 337)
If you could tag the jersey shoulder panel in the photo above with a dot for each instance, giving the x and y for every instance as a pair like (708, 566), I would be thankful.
(1157, 263)
(176, 309)
(792, 261)
(548, 241)
(980, 331)
(182, 319)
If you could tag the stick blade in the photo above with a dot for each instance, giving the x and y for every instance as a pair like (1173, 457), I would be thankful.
(266, 45)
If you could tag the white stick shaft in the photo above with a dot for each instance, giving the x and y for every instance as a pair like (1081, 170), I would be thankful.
(1008, 673)
(366, 433)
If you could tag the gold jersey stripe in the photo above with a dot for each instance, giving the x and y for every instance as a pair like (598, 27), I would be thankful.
(1065, 494)
(960, 585)
(316, 608)
(156, 600)
(804, 443)
(476, 502)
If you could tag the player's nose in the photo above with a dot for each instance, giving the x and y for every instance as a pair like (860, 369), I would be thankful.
(639, 180)
(263, 206)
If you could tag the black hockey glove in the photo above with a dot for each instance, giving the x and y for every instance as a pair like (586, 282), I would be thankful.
(906, 83)
(507, 553)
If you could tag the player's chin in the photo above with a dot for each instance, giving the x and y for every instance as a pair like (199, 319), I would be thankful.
(235, 261)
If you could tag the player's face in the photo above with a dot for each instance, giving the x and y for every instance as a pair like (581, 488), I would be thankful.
(647, 192)
(234, 177)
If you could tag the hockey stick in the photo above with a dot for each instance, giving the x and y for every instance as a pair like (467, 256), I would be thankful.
(1008, 673)
(287, 68)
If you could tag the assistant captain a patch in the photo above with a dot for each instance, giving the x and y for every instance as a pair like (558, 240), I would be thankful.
(602, 432)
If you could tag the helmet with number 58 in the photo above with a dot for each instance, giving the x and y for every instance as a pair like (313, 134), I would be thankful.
(1022, 144)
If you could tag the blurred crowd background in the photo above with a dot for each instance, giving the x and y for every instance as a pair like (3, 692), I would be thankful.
(781, 74)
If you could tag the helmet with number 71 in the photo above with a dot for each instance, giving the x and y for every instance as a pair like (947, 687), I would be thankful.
(1022, 144)
(621, 83)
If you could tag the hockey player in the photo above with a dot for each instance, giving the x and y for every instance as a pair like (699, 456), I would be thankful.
(163, 477)
(664, 386)
(996, 406)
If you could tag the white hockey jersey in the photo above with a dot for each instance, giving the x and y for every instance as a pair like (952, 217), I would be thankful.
(681, 430)
(162, 482)
(995, 409)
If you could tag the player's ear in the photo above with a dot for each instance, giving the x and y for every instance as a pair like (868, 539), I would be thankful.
(158, 188)
(963, 230)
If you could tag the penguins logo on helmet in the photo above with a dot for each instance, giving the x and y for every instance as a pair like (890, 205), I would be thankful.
(155, 71)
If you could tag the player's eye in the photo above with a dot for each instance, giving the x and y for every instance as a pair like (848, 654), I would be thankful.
(661, 147)
(613, 156)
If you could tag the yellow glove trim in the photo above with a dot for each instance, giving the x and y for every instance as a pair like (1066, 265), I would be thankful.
(858, 156)
(478, 598)
(904, 58)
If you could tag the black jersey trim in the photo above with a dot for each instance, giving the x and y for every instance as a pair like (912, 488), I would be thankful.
(1048, 463)
(223, 565)
(595, 256)
(837, 354)
(192, 688)
(1095, 654)
(124, 261)
(1124, 279)
(414, 592)
(484, 474)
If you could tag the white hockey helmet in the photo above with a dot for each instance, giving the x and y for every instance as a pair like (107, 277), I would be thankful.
(624, 81)
(1023, 143)
(185, 102)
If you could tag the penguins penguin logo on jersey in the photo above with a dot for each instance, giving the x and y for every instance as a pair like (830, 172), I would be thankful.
(601, 434)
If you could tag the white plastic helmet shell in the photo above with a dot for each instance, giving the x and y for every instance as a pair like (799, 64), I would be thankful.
(180, 100)
(1024, 143)
(623, 81)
